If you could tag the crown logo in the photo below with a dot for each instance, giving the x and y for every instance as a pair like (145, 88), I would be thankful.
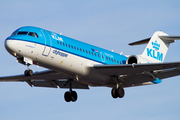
(156, 45)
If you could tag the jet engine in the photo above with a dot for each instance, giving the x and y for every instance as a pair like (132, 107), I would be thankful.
(136, 59)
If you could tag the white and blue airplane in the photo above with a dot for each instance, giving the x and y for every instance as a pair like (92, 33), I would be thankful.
(74, 64)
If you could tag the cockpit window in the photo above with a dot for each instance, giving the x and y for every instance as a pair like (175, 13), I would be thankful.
(33, 34)
(14, 33)
(22, 33)
(36, 35)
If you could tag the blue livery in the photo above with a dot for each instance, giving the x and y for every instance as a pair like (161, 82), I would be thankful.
(74, 64)
(66, 44)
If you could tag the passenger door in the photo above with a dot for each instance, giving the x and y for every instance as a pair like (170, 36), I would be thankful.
(47, 43)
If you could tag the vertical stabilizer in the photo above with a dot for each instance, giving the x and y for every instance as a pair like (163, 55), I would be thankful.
(156, 48)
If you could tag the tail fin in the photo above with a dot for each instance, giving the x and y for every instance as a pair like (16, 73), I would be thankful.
(157, 46)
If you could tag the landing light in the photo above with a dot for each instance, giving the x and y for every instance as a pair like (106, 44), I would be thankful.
(14, 54)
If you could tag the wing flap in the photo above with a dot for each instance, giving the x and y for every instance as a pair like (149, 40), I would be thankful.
(142, 79)
(133, 68)
(75, 85)
(36, 76)
(55, 83)
(48, 78)
(41, 83)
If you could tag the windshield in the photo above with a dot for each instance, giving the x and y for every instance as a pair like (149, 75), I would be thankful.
(22, 33)
(33, 34)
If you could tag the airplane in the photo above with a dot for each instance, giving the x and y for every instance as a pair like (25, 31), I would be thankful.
(73, 64)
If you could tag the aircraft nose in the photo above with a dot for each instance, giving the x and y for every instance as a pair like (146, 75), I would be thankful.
(10, 45)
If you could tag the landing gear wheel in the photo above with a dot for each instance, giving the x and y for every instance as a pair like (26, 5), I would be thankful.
(67, 96)
(73, 96)
(117, 92)
(121, 92)
(28, 73)
(114, 93)
(70, 96)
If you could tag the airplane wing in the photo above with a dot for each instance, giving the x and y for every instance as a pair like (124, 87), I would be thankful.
(47, 78)
(132, 75)
(137, 74)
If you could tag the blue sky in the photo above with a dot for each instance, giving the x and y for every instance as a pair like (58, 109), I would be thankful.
(107, 24)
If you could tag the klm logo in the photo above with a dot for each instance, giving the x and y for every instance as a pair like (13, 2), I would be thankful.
(156, 45)
(154, 53)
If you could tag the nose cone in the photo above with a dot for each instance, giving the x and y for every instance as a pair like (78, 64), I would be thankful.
(10, 45)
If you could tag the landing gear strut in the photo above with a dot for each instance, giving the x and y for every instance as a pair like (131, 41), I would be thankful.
(28, 72)
(117, 91)
(70, 95)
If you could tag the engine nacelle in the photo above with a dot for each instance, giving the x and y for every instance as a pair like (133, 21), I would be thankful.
(136, 59)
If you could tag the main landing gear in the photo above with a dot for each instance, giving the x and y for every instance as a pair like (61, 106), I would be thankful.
(28, 72)
(70, 95)
(117, 91)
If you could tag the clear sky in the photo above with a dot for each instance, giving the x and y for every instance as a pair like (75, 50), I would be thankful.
(110, 24)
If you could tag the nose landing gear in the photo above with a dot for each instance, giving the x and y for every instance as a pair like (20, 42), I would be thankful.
(28, 72)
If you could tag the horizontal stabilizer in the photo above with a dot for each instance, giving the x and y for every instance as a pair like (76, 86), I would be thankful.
(169, 38)
(145, 41)
(164, 38)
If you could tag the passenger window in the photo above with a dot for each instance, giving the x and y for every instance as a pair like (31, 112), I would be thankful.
(117, 61)
(74, 47)
(31, 34)
(92, 53)
(83, 50)
(86, 51)
(22, 33)
(95, 54)
(98, 55)
(77, 48)
(103, 56)
(57, 42)
(80, 49)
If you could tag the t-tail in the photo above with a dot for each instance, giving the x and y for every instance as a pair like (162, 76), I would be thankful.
(156, 49)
